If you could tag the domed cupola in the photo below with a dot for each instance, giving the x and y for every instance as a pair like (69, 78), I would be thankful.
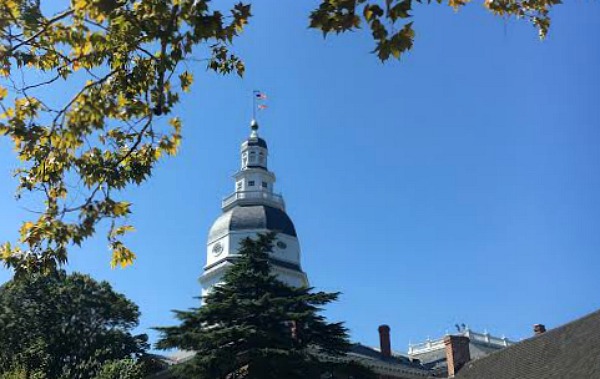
(254, 139)
(254, 150)
(253, 208)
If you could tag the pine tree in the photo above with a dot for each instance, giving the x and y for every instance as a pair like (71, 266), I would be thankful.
(253, 326)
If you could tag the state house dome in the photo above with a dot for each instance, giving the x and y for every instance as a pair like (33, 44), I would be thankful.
(254, 207)
(252, 217)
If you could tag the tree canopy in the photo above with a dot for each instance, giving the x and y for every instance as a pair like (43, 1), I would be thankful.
(65, 326)
(123, 63)
(253, 326)
(122, 369)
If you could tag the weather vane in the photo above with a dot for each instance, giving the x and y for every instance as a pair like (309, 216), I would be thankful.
(258, 98)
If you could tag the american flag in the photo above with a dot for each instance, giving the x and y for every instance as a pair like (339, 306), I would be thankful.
(260, 95)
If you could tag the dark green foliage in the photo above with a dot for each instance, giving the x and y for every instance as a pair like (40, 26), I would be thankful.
(65, 326)
(253, 326)
(121, 369)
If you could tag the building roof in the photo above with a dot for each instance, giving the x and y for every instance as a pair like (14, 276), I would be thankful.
(569, 351)
(392, 367)
(256, 141)
(432, 353)
(252, 217)
(374, 354)
(396, 366)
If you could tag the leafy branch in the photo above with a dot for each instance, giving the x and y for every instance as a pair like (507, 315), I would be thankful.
(382, 18)
(107, 134)
(123, 58)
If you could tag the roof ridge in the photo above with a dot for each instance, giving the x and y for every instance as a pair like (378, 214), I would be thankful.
(530, 340)
(593, 314)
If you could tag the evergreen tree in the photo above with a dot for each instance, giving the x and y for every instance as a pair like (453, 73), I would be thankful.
(253, 326)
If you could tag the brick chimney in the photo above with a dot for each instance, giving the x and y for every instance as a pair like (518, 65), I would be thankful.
(457, 353)
(539, 329)
(384, 341)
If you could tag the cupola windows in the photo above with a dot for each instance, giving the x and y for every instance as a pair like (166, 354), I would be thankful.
(254, 177)
(253, 156)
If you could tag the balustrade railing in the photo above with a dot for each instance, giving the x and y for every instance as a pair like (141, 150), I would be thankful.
(473, 336)
(253, 195)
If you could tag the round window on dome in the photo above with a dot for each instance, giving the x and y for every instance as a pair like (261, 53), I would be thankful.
(217, 249)
(282, 245)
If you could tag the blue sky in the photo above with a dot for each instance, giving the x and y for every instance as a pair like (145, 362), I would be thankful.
(459, 185)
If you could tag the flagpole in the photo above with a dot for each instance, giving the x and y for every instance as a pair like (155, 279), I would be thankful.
(254, 104)
(257, 98)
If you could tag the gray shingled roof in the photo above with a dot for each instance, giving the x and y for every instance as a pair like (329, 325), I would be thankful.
(252, 217)
(369, 352)
(256, 142)
(569, 351)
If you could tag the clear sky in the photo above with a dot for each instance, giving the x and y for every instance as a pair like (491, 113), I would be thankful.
(459, 185)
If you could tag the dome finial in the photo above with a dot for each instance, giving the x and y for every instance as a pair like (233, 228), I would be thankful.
(254, 128)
